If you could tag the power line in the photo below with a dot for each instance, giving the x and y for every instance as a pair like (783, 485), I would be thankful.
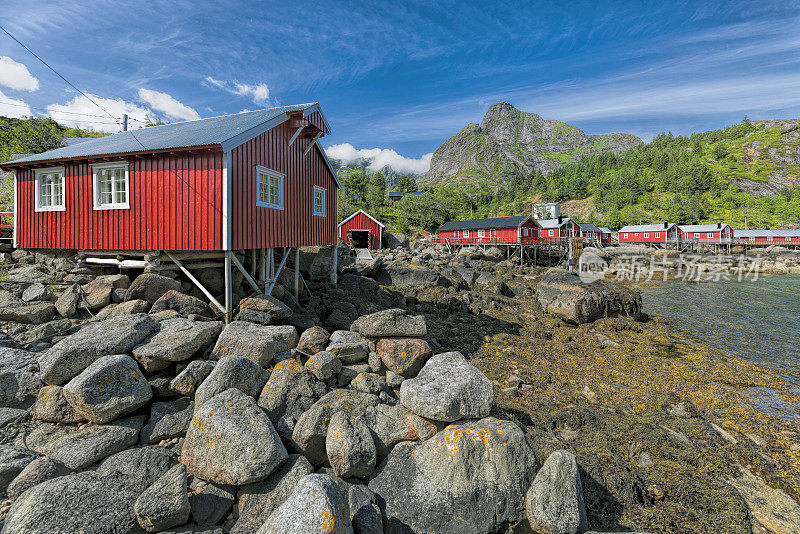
(57, 73)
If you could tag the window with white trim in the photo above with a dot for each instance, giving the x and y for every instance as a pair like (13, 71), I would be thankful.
(550, 233)
(658, 234)
(625, 236)
(481, 233)
(269, 188)
(788, 239)
(49, 185)
(111, 185)
(465, 233)
(646, 235)
(319, 201)
(709, 235)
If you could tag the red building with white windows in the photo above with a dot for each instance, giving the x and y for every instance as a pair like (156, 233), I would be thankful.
(361, 230)
(706, 232)
(500, 230)
(558, 228)
(250, 182)
(648, 233)
(769, 237)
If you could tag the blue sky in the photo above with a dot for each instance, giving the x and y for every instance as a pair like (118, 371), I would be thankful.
(404, 76)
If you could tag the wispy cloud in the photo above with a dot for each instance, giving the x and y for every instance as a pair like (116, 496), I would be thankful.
(80, 112)
(166, 104)
(258, 93)
(16, 75)
(379, 158)
(12, 107)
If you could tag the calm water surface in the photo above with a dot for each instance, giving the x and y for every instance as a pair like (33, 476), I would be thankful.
(758, 320)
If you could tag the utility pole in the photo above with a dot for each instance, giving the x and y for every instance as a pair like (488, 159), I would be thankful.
(125, 122)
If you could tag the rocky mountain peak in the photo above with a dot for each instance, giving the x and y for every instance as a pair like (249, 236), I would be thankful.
(509, 141)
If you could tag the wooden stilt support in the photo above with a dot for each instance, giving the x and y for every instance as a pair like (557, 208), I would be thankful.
(228, 287)
(262, 268)
(244, 272)
(196, 282)
(297, 273)
(335, 265)
(278, 273)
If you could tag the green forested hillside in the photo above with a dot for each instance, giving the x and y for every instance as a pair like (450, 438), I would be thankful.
(684, 179)
(30, 136)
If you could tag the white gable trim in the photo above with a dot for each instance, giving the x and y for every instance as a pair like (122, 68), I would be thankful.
(329, 164)
(365, 213)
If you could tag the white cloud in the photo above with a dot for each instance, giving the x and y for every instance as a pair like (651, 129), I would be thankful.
(259, 93)
(11, 107)
(168, 105)
(16, 75)
(380, 157)
(80, 112)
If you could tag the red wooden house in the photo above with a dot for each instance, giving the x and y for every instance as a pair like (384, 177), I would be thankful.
(558, 228)
(648, 233)
(605, 235)
(499, 230)
(254, 182)
(706, 232)
(361, 230)
(768, 237)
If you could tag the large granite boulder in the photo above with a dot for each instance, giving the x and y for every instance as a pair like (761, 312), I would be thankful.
(263, 309)
(401, 275)
(165, 503)
(109, 387)
(350, 447)
(20, 379)
(317, 504)
(37, 313)
(66, 359)
(151, 287)
(175, 340)
(36, 472)
(167, 420)
(231, 372)
(254, 341)
(404, 356)
(195, 372)
(313, 340)
(88, 503)
(258, 500)
(554, 502)
(563, 294)
(78, 450)
(470, 477)
(232, 441)
(12, 461)
(390, 323)
(290, 391)
(389, 425)
(51, 405)
(448, 388)
(183, 304)
(324, 365)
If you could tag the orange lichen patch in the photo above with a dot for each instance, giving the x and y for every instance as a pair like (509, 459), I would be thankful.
(454, 437)
(289, 364)
(328, 521)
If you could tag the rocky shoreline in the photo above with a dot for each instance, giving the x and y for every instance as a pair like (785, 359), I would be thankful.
(427, 392)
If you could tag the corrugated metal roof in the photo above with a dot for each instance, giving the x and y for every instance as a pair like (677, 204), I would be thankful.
(479, 224)
(766, 233)
(202, 132)
(646, 227)
(589, 227)
(605, 230)
(701, 227)
(552, 223)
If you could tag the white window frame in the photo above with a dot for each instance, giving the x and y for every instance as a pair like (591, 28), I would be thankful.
(657, 235)
(465, 233)
(709, 235)
(788, 238)
(625, 236)
(271, 174)
(98, 205)
(550, 233)
(318, 189)
(646, 235)
(481, 233)
(38, 196)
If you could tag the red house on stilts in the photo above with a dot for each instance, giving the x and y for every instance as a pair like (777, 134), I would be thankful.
(248, 187)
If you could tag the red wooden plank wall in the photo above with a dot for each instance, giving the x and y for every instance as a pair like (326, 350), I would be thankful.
(316, 120)
(175, 204)
(295, 225)
(362, 222)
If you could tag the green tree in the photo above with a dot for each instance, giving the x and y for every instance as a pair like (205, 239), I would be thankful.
(406, 183)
